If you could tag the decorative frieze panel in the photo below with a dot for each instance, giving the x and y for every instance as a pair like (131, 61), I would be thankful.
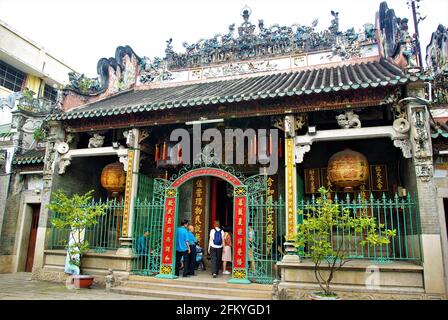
(234, 69)
(424, 170)
(420, 139)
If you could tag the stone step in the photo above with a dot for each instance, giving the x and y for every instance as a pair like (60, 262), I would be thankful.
(247, 292)
(201, 282)
(173, 295)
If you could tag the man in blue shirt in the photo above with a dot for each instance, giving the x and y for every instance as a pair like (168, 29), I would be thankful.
(142, 243)
(192, 256)
(142, 249)
(182, 248)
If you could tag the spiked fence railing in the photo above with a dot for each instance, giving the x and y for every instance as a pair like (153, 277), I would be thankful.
(396, 213)
(102, 236)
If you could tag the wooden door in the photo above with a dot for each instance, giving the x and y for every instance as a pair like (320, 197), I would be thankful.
(32, 239)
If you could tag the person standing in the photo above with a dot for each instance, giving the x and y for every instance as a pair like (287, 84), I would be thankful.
(192, 256)
(226, 251)
(215, 245)
(182, 248)
(251, 247)
(142, 249)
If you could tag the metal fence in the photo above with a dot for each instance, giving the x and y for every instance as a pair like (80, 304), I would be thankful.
(147, 248)
(102, 236)
(265, 238)
(396, 213)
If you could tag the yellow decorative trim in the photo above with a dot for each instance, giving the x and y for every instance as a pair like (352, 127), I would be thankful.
(290, 187)
(166, 269)
(239, 274)
(127, 193)
(240, 191)
(170, 193)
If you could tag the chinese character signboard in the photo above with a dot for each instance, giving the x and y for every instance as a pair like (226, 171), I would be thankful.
(239, 237)
(290, 187)
(198, 209)
(312, 180)
(270, 221)
(378, 177)
(169, 227)
(377, 181)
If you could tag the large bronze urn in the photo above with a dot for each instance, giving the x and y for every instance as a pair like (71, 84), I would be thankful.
(113, 177)
(348, 169)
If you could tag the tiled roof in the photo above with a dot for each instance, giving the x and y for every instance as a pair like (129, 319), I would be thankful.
(30, 157)
(315, 81)
(5, 130)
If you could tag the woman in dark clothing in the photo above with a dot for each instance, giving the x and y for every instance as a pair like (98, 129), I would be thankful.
(192, 241)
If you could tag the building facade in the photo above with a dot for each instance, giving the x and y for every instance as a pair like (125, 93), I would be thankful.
(437, 62)
(158, 140)
(29, 81)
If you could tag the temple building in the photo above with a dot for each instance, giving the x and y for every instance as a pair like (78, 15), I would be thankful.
(159, 139)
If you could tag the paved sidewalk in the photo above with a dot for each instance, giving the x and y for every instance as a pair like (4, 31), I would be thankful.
(19, 286)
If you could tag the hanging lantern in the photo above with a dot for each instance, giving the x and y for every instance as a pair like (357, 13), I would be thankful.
(113, 177)
(348, 169)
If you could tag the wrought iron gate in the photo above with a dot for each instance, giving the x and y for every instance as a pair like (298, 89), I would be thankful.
(148, 215)
(265, 230)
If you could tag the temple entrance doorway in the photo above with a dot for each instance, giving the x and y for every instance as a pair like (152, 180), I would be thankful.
(221, 203)
(202, 201)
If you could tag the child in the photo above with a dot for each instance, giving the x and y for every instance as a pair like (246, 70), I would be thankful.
(227, 251)
(200, 258)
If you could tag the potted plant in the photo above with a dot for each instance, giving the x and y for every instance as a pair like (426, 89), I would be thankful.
(327, 252)
(76, 213)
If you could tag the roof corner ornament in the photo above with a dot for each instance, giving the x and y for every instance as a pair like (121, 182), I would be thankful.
(245, 13)
(397, 43)
(348, 120)
(334, 27)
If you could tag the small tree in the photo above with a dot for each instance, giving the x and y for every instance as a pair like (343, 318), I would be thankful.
(316, 234)
(75, 213)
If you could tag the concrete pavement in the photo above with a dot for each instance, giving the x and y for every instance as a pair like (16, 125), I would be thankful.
(19, 286)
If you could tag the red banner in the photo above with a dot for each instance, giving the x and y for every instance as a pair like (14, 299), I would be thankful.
(239, 237)
(169, 231)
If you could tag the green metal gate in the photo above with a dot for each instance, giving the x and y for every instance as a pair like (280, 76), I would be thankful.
(264, 231)
(149, 207)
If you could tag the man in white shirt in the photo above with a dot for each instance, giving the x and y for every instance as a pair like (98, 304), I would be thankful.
(215, 245)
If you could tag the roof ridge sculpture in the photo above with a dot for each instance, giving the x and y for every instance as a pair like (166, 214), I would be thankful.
(275, 40)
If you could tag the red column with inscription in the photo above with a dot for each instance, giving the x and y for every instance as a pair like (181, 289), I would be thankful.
(239, 272)
(169, 235)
